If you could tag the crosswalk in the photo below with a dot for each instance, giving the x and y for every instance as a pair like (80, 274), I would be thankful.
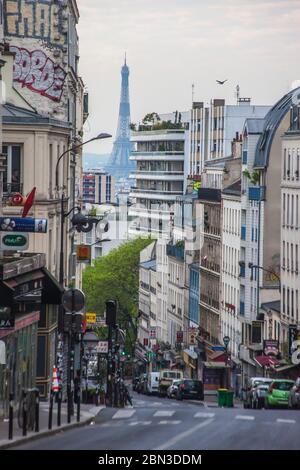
(171, 417)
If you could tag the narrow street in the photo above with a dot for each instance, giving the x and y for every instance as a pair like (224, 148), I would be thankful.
(161, 424)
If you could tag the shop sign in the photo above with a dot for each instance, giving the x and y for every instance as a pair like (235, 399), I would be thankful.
(90, 317)
(28, 225)
(14, 241)
(271, 347)
(83, 253)
(102, 347)
(7, 320)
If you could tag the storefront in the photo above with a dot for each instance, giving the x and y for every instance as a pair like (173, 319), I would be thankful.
(190, 361)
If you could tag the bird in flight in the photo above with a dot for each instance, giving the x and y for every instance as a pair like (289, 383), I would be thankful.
(220, 82)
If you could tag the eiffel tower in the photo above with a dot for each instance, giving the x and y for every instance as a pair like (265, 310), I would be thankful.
(119, 164)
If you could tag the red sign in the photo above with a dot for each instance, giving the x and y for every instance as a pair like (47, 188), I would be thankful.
(146, 341)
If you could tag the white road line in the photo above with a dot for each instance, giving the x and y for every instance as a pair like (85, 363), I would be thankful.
(164, 413)
(171, 442)
(170, 422)
(141, 423)
(289, 421)
(245, 417)
(121, 414)
(204, 415)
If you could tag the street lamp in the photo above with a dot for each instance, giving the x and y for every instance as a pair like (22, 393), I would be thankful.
(101, 136)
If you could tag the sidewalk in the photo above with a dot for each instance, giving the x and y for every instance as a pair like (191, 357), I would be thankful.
(87, 414)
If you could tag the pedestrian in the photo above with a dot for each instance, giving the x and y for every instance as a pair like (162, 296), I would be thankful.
(127, 396)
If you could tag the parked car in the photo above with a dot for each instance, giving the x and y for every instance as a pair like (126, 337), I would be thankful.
(259, 393)
(278, 393)
(172, 390)
(166, 378)
(294, 396)
(152, 383)
(190, 388)
(248, 392)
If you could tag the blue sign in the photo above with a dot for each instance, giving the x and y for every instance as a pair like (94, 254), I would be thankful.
(17, 224)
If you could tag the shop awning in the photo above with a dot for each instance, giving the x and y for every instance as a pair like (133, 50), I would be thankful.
(266, 361)
(214, 365)
(52, 291)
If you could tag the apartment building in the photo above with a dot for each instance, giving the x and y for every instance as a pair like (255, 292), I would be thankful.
(98, 187)
(42, 117)
(290, 224)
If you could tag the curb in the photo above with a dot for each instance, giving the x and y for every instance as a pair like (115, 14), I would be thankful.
(48, 432)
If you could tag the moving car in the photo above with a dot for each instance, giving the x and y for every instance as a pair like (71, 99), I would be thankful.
(259, 392)
(152, 383)
(190, 388)
(172, 390)
(248, 393)
(166, 378)
(278, 393)
(294, 396)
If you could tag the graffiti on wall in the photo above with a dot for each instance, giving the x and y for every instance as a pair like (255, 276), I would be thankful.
(37, 19)
(38, 72)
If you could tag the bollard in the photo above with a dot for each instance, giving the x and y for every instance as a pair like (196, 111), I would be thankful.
(37, 410)
(24, 411)
(59, 400)
(11, 416)
(50, 410)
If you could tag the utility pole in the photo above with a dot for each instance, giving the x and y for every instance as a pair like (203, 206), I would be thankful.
(111, 316)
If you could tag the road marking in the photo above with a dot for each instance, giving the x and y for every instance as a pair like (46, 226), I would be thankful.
(142, 423)
(245, 417)
(171, 442)
(156, 403)
(290, 421)
(164, 413)
(170, 422)
(204, 415)
(121, 414)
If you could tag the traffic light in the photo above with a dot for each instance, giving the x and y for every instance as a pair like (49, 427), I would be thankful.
(111, 312)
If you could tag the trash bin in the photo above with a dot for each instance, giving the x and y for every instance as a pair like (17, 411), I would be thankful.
(229, 398)
(222, 396)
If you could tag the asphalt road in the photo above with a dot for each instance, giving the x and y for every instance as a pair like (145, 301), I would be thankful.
(162, 424)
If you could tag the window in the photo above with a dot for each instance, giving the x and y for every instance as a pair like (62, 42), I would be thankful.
(12, 178)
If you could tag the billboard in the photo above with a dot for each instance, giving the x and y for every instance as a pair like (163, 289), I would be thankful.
(28, 225)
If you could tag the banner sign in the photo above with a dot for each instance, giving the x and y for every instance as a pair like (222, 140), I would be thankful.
(294, 343)
(14, 241)
(28, 225)
(271, 347)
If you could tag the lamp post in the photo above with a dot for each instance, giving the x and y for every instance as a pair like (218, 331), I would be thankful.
(62, 200)
(63, 215)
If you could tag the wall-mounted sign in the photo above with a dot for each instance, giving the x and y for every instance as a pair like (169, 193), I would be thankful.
(14, 241)
(90, 317)
(7, 319)
(28, 225)
(102, 347)
(83, 253)
(271, 347)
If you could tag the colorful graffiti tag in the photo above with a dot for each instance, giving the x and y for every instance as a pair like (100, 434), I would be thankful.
(38, 19)
(38, 72)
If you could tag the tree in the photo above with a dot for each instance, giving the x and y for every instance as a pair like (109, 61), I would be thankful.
(116, 276)
(151, 119)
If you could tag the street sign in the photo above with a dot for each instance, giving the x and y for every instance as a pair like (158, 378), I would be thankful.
(14, 241)
(73, 300)
(226, 341)
(90, 317)
(102, 347)
(83, 253)
(28, 225)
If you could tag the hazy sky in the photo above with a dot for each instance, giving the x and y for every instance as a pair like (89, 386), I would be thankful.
(171, 44)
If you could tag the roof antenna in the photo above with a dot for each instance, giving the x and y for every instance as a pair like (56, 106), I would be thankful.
(193, 93)
(237, 94)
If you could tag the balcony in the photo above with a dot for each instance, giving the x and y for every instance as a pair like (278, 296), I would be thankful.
(154, 194)
(243, 232)
(176, 251)
(209, 194)
(257, 193)
(158, 175)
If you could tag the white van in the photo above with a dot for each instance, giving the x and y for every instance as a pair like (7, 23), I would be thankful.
(152, 383)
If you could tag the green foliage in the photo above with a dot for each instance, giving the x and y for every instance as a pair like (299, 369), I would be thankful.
(115, 276)
(254, 177)
(132, 126)
(151, 119)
